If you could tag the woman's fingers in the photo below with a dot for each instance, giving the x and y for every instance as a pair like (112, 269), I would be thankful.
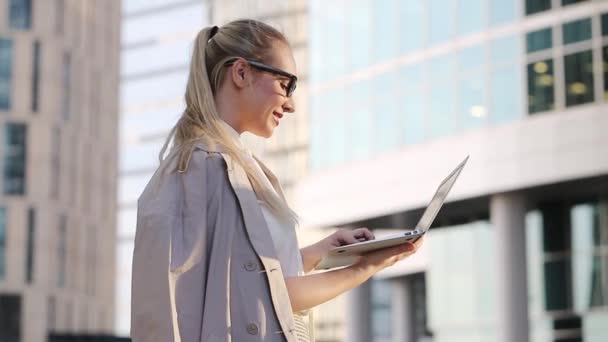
(363, 233)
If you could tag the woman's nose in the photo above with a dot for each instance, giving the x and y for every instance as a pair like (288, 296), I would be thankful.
(289, 105)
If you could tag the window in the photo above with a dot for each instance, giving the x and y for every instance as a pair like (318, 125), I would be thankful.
(413, 25)
(6, 67)
(413, 97)
(10, 318)
(381, 302)
(62, 250)
(36, 77)
(471, 16)
(605, 58)
(3, 226)
(541, 95)
(505, 94)
(14, 158)
(55, 163)
(471, 109)
(502, 11)
(535, 6)
(579, 78)
(31, 233)
(442, 20)
(386, 30)
(66, 79)
(605, 24)
(20, 14)
(539, 40)
(577, 31)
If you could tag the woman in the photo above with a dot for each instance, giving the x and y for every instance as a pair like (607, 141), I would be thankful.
(216, 256)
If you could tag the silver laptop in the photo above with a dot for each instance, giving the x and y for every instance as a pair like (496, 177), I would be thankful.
(346, 255)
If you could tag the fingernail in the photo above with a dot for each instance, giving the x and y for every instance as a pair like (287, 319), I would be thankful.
(409, 247)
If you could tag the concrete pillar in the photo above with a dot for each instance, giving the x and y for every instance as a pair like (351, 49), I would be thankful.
(507, 214)
(358, 313)
(401, 310)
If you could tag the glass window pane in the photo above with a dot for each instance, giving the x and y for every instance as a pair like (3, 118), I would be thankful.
(11, 313)
(442, 68)
(360, 38)
(6, 67)
(36, 76)
(442, 20)
(15, 158)
(20, 13)
(335, 31)
(472, 111)
(605, 24)
(541, 95)
(535, 6)
(505, 50)
(3, 243)
(505, 94)
(359, 138)
(605, 64)
(579, 78)
(557, 277)
(413, 25)
(471, 58)
(30, 256)
(539, 40)
(412, 108)
(385, 26)
(386, 117)
(577, 31)
(441, 122)
(473, 11)
(335, 118)
(502, 11)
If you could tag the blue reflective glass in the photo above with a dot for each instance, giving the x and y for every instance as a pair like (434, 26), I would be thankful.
(505, 50)
(441, 108)
(336, 123)
(6, 67)
(317, 133)
(535, 6)
(413, 112)
(335, 32)
(413, 25)
(442, 68)
(442, 20)
(470, 13)
(163, 26)
(20, 14)
(472, 110)
(385, 30)
(506, 94)
(360, 121)
(317, 49)
(360, 37)
(471, 58)
(386, 114)
(502, 11)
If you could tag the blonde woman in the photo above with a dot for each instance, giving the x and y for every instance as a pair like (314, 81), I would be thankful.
(216, 256)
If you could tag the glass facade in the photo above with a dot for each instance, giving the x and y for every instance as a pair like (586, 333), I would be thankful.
(535, 6)
(576, 31)
(579, 78)
(539, 40)
(541, 86)
(3, 226)
(6, 67)
(15, 149)
(20, 14)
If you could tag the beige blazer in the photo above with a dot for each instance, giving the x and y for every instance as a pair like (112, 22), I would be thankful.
(204, 264)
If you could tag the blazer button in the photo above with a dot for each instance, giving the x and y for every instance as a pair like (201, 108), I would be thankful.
(250, 265)
(252, 329)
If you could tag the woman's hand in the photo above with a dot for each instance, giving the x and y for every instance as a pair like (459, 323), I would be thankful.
(373, 262)
(313, 254)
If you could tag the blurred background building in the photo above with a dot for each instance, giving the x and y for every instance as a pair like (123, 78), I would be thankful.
(400, 92)
(58, 156)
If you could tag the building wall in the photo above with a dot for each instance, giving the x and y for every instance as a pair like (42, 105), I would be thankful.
(400, 93)
(59, 82)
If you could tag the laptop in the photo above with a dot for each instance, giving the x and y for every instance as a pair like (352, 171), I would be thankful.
(349, 254)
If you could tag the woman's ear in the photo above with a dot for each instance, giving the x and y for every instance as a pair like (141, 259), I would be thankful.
(239, 73)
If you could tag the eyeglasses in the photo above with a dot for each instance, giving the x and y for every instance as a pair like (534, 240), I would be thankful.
(291, 86)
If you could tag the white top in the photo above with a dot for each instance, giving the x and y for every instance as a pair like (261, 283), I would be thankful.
(284, 238)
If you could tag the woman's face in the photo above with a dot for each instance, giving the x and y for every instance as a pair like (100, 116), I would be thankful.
(266, 102)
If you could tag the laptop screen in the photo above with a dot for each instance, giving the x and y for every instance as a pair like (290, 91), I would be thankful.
(433, 208)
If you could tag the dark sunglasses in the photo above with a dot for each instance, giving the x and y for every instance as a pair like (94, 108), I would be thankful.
(291, 86)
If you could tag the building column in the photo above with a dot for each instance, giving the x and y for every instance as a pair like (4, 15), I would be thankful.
(358, 313)
(401, 311)
(507, 214)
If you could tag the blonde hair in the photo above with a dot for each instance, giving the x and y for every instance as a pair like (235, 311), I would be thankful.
(200, 121)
